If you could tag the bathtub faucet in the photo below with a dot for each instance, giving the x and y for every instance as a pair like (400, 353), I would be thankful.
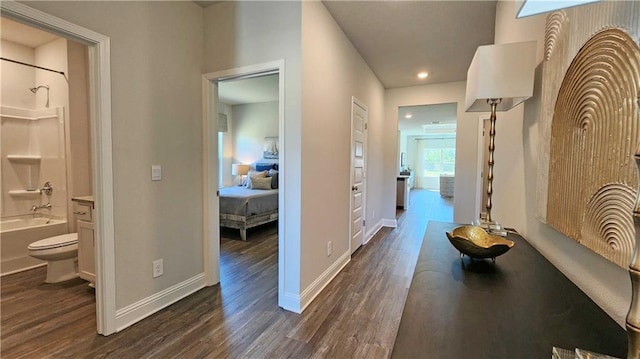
(36, 208)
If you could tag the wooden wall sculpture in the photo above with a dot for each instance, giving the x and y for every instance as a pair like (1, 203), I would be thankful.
(590, 126)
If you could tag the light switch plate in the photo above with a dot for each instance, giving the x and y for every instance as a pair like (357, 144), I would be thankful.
(156, 173)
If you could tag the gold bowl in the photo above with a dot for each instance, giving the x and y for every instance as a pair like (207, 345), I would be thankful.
(475, 242)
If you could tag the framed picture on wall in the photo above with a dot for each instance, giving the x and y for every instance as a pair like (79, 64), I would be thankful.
(271, 148)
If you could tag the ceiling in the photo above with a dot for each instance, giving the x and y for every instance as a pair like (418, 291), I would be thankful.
(427, 119)
(398, 39)
(24, 35)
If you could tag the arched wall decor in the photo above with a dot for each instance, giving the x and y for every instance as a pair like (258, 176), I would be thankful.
(590, 126)
(594, 135)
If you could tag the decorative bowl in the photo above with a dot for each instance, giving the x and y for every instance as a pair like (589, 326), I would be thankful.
(475, 242)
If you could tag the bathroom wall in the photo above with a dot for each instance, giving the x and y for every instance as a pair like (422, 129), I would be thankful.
(78, 144)
(251, 124)
(16, 79)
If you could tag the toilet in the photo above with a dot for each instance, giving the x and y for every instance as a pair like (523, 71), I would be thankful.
(60, 253)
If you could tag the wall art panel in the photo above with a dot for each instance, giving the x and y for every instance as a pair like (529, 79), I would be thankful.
(590, 126)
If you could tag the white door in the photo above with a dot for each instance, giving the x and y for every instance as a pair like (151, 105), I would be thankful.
(358, 172)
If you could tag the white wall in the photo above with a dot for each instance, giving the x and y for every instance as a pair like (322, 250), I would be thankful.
(465, 201)
(517, 132)
(17, 79)
(79, 133)
(332, 72)
(156, 92)
(240, 34)
(251, 124)
(227, 146)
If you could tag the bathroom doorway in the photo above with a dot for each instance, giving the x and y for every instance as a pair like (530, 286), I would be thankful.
(36, 159)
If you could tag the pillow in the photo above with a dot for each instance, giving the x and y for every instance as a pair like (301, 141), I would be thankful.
(260, 183)
(253, 174)
(274, 178)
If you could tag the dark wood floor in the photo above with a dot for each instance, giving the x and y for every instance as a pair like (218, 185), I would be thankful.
(357, 315)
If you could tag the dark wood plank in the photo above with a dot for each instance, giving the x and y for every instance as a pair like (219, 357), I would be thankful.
(357, 315)
(519, 307)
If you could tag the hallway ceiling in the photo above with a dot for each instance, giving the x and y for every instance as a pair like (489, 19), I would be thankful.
(427, 119)
(398, 39)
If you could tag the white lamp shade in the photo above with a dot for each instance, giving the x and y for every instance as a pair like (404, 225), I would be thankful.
(239, 169)
(535, 7)
(504, 71)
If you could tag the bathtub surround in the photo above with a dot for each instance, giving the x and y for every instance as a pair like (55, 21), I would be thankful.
(32, 154)
(41, 142)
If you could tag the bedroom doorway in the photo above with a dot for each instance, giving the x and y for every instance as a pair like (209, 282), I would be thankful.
(244, 174)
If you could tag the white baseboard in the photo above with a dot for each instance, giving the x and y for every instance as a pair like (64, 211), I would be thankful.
(298, 303)
(372, 232)
(387, 222)
(141, 309)
(291, 302)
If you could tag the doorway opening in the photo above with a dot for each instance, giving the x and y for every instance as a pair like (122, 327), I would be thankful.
(248, 154)
(94, 48)
(427, 154)
(244, 176)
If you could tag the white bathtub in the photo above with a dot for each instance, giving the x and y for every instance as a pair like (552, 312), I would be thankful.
(16, 233)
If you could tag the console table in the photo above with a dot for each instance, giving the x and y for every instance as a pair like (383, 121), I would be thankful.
(519, 307)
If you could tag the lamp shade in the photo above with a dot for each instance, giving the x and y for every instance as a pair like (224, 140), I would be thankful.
(535, 7)
(504, 71)
(239, 169)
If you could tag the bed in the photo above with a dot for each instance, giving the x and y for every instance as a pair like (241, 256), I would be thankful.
(243, 208)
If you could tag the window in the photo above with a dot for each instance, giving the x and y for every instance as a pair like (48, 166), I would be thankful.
(439, 160)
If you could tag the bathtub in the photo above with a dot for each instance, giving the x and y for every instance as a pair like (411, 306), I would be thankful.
(16, 233)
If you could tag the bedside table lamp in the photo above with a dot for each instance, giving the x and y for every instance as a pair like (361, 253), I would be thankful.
(500, 77)
(239, 170)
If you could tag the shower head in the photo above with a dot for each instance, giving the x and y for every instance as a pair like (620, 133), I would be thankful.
(35, 89)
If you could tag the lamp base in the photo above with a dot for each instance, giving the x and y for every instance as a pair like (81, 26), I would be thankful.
(492, 227)
(559, 353)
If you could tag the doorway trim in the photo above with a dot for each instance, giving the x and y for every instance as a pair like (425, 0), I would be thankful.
(100, 120)
(211, 230)
(355, 102)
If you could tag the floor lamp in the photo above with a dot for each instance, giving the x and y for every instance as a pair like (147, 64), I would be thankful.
(500, 77)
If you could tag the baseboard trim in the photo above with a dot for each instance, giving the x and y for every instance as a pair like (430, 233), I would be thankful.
(298, 303)
(387, 222)
(376, 227)
(139, 310)
(291, 302)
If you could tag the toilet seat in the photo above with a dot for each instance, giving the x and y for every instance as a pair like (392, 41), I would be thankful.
(54, 242)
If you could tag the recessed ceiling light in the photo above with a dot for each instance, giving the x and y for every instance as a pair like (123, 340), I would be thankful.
(408, 115)
(423, 75)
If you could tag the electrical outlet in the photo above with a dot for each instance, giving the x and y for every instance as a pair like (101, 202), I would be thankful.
(329, 248)
(158, 268)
